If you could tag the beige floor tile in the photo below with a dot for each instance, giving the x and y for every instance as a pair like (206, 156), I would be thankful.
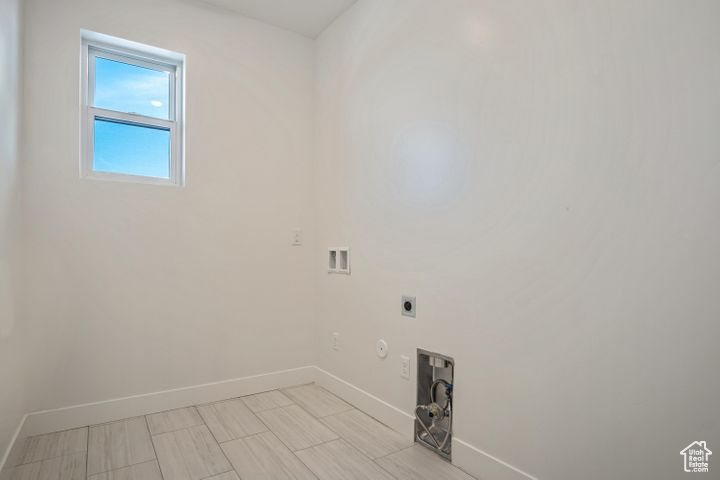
(189, 454)
(317, 400)
(119, 444)
(264, 456)
(335, 442)
(367, 434)
(225, 476)
(338, 460)
(172, 420)
(419, 463)
(295, 427)
(69, 467)
(142, 471)
(43, 447)
(28, 471)
(230, 420)
(266, 401)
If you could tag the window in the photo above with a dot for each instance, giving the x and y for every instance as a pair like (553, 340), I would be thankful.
(132, 112)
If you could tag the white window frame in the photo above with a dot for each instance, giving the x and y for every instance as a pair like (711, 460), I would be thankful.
(132, 53)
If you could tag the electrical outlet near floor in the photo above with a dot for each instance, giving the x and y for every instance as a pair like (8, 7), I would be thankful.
(405, 367)
(336, 341)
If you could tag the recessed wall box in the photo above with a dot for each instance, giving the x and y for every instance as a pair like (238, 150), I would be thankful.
(434, 411)
(332, 260)
(407, 306)
(339, 260)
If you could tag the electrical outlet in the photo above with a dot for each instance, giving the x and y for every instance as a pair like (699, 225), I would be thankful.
(405, 367)
(297, 237)
(336, 341)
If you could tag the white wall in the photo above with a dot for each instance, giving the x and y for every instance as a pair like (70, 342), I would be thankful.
(545, 177)
(134, 288)
(13, 377)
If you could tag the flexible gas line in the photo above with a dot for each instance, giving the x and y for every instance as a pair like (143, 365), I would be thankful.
(434, 410)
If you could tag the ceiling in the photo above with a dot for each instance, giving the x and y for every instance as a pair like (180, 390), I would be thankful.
(306, 17)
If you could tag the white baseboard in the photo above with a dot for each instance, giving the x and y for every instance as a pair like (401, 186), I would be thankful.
(390, 415)
(467, 457)
(483, 465)
(471, 459)
(65, 418)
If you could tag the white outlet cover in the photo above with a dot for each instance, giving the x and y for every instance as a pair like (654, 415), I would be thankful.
(336, 341)
(381, 348)
(405, 367)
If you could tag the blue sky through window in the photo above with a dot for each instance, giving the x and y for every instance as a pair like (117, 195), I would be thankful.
(131, 89)
(131, 149)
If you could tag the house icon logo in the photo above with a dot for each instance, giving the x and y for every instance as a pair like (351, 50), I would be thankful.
(696, 457)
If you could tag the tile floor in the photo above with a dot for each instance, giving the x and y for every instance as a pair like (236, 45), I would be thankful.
(301, 433)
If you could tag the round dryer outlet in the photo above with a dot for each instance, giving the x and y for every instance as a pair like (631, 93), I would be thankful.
(381, 348)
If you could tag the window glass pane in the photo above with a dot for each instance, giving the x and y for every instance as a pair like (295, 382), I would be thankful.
(131, 149)
(131, 89)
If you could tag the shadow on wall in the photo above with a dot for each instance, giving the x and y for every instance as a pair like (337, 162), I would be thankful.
(12, 347)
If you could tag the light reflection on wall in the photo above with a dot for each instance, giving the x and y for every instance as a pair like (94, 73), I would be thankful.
(476, 31)
(427, 163)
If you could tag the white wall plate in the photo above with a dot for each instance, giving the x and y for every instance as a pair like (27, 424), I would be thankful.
(381, 348)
